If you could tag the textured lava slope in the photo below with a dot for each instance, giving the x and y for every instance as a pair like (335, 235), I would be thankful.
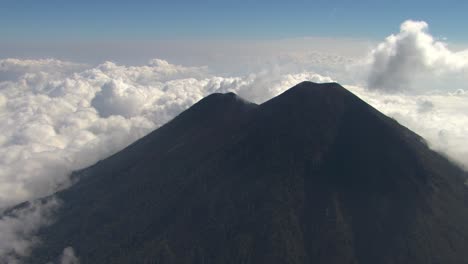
(314, 175)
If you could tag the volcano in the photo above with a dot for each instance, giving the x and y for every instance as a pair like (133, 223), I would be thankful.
(314, 175)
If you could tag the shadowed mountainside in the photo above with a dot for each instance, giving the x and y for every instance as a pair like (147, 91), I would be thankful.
(314, 175)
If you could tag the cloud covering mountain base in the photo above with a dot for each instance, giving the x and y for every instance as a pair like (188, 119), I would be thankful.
(55, 122)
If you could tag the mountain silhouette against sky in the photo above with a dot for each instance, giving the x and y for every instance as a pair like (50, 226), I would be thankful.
(314, 175)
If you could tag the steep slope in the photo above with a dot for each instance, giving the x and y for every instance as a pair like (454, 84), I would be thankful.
(314, 175)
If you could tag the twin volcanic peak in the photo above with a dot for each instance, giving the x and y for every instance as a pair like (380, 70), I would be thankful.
(314, 175)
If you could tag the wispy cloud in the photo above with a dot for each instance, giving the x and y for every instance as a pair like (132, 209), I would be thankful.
(68, 256)
(18, 229)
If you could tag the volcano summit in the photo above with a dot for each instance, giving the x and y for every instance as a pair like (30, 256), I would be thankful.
(315, 175)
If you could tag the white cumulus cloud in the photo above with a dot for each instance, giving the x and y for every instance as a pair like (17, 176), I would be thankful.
(414, 58)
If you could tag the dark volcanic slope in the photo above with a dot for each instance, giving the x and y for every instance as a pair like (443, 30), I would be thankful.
(314, 175)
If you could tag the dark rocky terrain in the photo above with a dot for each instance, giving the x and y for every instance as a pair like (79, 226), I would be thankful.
(314, 175)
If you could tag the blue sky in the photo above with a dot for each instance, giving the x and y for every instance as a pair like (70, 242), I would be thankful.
(22, 20)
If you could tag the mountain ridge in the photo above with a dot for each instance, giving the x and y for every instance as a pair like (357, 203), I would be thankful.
(314, 175)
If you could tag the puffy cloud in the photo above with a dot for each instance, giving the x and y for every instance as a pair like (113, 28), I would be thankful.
(118, 98)
(413, 58)
(18, 229)
(68, 256)
(54, 123)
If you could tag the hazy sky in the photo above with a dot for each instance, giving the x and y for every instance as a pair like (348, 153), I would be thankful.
(210, 32)
(177, 19)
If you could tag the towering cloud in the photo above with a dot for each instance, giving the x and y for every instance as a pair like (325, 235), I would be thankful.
(414, 56)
